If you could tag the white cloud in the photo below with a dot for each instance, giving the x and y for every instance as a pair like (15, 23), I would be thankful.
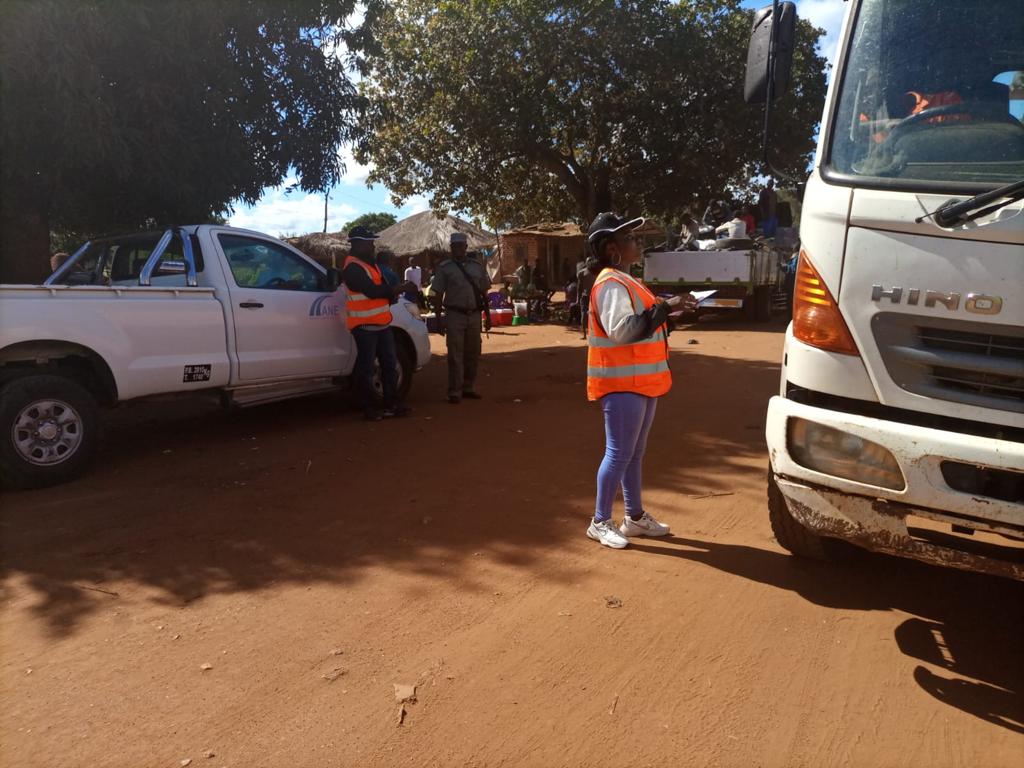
(296, 213)
(415, 204)
(355, 174)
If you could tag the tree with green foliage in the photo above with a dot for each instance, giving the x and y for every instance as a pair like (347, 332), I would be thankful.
(523, 110)
(374, 221)
(126, 113)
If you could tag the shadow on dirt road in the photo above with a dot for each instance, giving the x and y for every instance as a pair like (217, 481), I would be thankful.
(967, 625)
(186, 501)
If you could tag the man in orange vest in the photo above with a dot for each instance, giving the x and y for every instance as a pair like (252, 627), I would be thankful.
(368, 316)
(627, 371)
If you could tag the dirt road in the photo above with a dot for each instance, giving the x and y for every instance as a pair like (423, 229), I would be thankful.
(254, 585)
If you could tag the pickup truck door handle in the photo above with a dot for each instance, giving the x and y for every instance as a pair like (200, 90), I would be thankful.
(251, 305)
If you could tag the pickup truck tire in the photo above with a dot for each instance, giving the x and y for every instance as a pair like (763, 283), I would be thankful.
(406, 365)
(790, 533)
(48, 431)
(406, 368)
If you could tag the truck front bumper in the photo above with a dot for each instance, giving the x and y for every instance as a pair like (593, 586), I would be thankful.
(928, 519)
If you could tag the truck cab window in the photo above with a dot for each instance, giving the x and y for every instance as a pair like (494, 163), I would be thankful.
(262, 264)
(119, 261)
(913, 106)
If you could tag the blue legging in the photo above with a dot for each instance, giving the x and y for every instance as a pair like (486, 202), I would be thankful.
(627, 423)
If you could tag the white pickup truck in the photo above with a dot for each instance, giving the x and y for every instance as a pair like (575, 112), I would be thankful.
(204, 308)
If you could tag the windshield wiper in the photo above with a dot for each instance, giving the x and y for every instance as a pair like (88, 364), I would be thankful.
(953, 213)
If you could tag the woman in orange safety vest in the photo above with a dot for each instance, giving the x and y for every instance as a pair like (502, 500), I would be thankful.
(627, 371)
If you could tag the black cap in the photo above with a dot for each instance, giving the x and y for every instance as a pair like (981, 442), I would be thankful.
(609, 223)
(362, 233)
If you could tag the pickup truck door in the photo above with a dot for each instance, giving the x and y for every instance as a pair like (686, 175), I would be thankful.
(286, 324)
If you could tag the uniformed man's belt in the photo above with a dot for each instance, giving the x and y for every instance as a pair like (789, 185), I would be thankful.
(463, 311)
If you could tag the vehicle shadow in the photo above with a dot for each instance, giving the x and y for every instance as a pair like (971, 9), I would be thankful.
(186, 501)
(970, 626)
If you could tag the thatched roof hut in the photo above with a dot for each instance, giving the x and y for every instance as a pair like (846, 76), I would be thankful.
(328, 249)
(426, 235)
(423, 236)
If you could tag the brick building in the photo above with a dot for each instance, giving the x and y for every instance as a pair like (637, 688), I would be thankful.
(553, 247)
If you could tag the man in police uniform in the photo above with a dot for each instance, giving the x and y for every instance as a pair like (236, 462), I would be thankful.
(459, 287)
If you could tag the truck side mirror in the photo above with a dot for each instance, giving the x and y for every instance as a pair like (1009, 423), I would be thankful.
(762, 62)
(332, 280)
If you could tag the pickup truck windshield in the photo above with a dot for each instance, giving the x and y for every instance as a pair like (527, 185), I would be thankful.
(933, 91)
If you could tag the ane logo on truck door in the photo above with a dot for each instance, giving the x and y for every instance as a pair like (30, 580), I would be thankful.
(324, 307)
(978, 303)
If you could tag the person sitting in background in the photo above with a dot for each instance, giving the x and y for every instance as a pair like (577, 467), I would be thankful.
(715, 214)
(571, 300)
(747, 216)
(733, 229)
(539, 281)
(384, 260)
(58, 259)
(414, 275)
(689, 229)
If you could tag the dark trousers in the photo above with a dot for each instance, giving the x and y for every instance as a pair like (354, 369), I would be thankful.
(372, 346)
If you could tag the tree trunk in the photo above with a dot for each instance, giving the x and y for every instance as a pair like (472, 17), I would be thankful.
(24, 243)
(598, 197)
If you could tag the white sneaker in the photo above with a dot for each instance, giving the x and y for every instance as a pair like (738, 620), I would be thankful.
(607, 534)
(645, 526)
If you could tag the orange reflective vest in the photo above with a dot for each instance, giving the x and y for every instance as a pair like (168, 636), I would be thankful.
(362, 310)
(640, 367)
(923, 101)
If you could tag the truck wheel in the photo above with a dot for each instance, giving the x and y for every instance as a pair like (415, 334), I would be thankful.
(789, 532)
(406, 368)
(48, 431)
(763, 303)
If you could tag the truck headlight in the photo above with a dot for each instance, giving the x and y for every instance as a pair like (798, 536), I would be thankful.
(842, 454)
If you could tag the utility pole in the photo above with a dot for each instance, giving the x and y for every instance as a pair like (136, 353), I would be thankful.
(327, 196)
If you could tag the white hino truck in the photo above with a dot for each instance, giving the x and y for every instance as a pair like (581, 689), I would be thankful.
(899, 425)
(197, 310)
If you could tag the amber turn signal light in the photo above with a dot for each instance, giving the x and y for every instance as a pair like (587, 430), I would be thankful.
(816, 317)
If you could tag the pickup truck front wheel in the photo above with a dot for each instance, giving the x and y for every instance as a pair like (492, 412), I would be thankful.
(48, 427)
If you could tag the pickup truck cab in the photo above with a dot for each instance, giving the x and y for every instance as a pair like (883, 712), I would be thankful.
(206, 308)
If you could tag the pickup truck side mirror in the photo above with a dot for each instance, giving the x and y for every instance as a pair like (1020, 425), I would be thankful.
(332, 280)
(770, 54)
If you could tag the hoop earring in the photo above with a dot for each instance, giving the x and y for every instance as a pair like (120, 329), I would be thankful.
(618, 258)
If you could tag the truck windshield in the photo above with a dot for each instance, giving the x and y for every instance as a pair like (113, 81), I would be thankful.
(933, 91)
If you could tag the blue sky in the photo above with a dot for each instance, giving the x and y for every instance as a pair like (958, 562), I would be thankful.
(282, 213)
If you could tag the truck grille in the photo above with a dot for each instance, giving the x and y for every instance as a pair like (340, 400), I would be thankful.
(995, 483)
(977, 364)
